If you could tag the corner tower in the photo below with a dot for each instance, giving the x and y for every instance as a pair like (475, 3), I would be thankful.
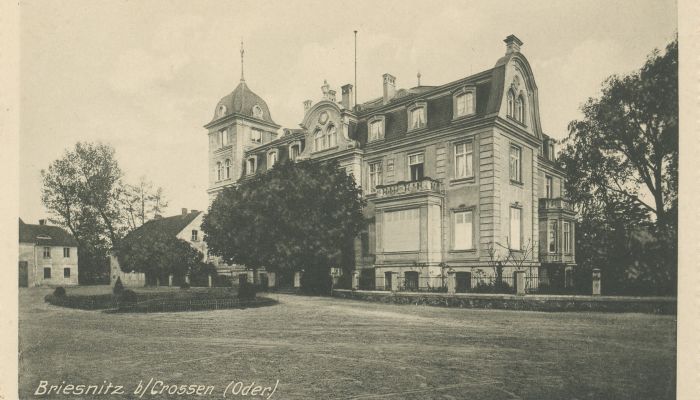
(241, 122)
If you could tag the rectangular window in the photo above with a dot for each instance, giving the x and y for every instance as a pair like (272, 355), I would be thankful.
(464, 160)
(251, 166)
(224, 137)
(47, 252)
(294, 153)
(271, 160)
(465, 104)
(515, 228)
(515, 164)
(415, 163)
(47, 273)
(566, 226)
(552, 236)
(463, 230)
(195, 235)
(66, 252)
(375, 131)
(401, 230)
(255, 136)
(549, 185)
(418, 117)
(66, 272)
(550, 151)
(375, 176)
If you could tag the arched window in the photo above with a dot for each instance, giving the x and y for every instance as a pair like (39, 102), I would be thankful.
(520, 109)
(218, 171)
(511, 105)
(318, 140)
(227, 164)
(332, 134)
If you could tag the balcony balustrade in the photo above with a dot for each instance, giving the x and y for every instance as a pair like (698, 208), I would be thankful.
(555, 204)
(425, 185)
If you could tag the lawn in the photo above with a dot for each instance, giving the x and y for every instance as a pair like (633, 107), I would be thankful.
(323, 348)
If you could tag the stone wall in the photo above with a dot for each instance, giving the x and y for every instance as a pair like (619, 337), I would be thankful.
(653, 305)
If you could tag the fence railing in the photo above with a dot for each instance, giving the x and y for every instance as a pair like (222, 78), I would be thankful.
(467, 283)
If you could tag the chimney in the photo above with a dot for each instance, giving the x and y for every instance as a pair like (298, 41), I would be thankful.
(389, 87)
(194, 211)
(512, 44)
(307, 105)
(184, 211)
(347, 101)
(331, 95)
(42, 222)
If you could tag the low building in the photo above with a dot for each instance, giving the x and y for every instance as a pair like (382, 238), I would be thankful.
(48, 256)
(186, 226)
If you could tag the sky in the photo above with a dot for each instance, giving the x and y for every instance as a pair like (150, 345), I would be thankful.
(144, 77)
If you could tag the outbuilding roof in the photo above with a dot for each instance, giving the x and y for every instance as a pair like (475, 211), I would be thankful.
(45, 235)
(169, 225)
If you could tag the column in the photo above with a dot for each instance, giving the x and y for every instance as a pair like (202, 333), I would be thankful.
(451, 282)
(355, 280)
(596, 281)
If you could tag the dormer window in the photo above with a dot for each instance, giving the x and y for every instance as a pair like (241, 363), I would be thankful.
(463, 101)
(520, 109)
(257, 112)
(221, 111)
(417, 116)
(511, 104)
(376, 129)
(251, 165)
(255, 136)
(271, 159)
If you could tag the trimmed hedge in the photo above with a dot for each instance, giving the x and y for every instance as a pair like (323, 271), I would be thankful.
(653, 305)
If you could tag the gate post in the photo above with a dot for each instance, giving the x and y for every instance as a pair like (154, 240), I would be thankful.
(209, 280)
(520, 283)
(394, 281)
(170, 280)
(451, 282)
(297, 279)
(271, 279)
(355, 280)
(596, 281)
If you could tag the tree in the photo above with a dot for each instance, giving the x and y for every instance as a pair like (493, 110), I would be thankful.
(621, 161)
(158, 254)
(141, 202)
(84, 192)
(297, 216)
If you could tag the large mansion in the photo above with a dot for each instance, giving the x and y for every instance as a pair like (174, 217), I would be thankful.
(458, 176)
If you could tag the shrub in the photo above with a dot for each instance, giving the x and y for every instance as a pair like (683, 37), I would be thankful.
(185, 285)
(128, 296)
(118, 287)
(59, 292)
(246, 291)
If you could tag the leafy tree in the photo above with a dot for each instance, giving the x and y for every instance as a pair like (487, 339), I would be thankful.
(141, 202)
(84, 192)
(621, 161)
(297, 216)
(158, 254)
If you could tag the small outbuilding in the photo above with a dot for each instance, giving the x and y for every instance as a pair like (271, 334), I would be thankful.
(48, 255)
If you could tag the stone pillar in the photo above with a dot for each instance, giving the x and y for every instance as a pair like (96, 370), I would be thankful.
(297, 279)
(251, 276)
(596, 281)
(170, 280)
(355, 280)
(271, 279)
(187, 279)
(209, 280)
(157, 281)
(394, 281)
(451, 282)
(519, 283)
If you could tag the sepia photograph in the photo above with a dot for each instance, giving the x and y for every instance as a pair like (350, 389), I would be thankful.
(347, 200)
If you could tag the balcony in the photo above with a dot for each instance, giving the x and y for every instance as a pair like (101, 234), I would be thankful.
(423, 186)
(557, 204)
(556, 258)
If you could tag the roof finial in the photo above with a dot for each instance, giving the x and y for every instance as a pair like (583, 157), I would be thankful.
(242, 52)
(418, 75)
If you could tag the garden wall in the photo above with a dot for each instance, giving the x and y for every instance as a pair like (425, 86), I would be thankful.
(654, 305)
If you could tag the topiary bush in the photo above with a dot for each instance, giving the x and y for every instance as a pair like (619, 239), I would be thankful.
(185, 285)
(246, 291)
(59, 292)
(118, 287)
(128, 296)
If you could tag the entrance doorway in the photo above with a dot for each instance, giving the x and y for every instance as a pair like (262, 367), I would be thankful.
(464, 282)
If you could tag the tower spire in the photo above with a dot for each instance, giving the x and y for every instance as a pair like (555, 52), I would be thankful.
(242, 53)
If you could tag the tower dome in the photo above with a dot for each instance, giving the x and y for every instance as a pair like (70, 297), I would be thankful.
(244, 102)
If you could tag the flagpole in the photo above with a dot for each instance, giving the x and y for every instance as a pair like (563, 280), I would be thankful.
(355, 68)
